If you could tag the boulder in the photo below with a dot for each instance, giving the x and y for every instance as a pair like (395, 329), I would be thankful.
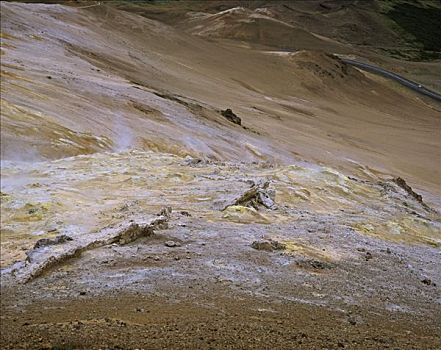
(51, 241)
(228, 114)
(268, 246)
(257, 196)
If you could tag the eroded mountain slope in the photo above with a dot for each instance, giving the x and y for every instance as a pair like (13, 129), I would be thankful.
(77, 81)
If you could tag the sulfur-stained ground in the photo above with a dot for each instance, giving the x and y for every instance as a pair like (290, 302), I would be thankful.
(111, 114)
(356, 265)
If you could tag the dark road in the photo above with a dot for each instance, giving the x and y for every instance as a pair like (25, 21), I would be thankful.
(403, 81)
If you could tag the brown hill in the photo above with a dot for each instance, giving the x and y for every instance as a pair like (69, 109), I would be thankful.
(258, 27)
(108, 79)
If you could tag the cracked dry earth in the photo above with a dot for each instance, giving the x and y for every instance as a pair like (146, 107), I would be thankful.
(338, 262)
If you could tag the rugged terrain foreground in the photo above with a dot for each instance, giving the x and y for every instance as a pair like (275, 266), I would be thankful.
(203, 175)
(336, 262)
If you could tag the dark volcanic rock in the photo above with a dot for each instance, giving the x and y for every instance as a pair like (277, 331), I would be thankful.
(428, 281)
(228, 113)
(400, 182)
(48, 241)
(314, 264)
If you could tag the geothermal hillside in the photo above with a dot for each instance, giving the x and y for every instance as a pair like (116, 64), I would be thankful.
(217, 175)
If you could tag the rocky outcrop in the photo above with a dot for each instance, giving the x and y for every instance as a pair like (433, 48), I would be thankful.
(51, 241)
(402, 183)
(257, 196)
(228, 114)
(269, 245)
(42, 257)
